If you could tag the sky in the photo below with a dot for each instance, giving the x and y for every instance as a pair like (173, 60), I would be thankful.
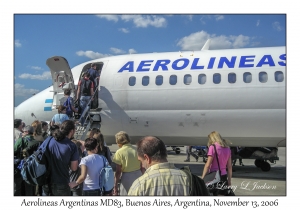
(83, 37)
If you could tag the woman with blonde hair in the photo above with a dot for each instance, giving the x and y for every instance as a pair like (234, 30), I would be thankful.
(127, 164)
(220, 147)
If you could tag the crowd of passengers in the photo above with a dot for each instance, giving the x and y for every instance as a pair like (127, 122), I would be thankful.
(140, 170)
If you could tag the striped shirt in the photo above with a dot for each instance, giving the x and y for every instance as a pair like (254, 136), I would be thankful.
(161, 179)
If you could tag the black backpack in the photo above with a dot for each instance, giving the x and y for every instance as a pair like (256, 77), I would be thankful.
(86, 87)
(198, 187)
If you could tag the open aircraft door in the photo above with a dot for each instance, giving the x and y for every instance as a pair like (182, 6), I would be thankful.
(62, 78)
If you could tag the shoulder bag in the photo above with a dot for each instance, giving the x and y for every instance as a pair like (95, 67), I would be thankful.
(215, 176)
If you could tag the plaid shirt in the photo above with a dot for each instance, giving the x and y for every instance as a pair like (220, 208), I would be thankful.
(161, 179)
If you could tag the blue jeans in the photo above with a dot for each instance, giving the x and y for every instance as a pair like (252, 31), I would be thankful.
(91, 192)
(84, 101)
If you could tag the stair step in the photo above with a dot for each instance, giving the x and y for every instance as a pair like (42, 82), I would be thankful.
(96, 110)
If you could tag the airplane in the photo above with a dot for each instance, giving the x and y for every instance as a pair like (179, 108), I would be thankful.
(180, 97)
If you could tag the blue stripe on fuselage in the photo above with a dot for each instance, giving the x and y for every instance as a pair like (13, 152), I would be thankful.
(47, 109)
(49, 101)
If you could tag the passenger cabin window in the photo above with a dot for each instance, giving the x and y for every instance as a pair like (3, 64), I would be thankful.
(217, 78)
(159, 80)
(247, 77)
(173, 80)
(231, 78)
(145, 80)
(263, 77)
(202, 79)
(279, 77)
(131, 81)
(187, 79)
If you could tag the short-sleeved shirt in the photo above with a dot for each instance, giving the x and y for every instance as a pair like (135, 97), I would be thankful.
(94, 163)
(59, 118)
(64, 99)
(61, 153)
(224, 154)
(127, 157)
(162, 179)
(93, 74)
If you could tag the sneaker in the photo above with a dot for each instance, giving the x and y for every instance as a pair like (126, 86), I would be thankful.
(187, 160)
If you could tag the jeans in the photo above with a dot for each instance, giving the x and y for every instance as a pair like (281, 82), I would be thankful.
(91, 192)
(83, 102)
(57, 190)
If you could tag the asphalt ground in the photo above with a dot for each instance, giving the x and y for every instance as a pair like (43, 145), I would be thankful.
(247, 180)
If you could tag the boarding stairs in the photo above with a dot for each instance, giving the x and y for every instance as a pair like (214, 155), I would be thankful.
(89, 119)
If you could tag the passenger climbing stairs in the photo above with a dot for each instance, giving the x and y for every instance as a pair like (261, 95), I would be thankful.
(89, 119)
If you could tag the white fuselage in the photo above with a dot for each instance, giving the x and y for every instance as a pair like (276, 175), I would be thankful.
(184, 113)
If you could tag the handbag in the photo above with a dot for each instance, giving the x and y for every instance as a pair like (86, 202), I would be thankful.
(229, 192)
(215, 176)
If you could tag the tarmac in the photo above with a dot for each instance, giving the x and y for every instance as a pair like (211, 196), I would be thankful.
(247, 180)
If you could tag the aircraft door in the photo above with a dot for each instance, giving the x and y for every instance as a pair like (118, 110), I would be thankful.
(62, 78)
